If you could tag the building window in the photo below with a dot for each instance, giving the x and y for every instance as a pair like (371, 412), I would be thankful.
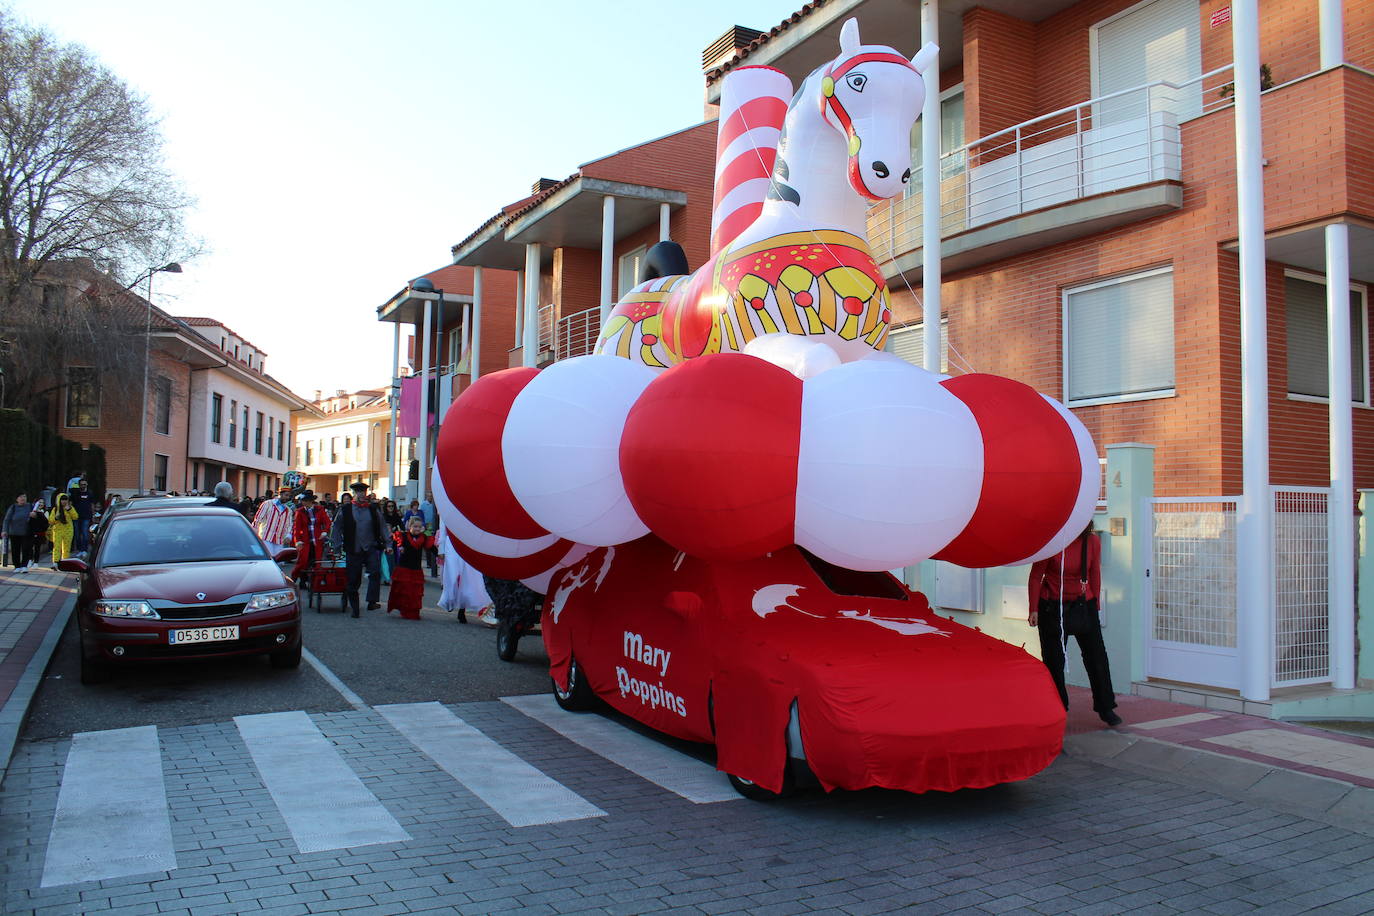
(83, 397)
(233, 424)
(281, 440)
(195, 475)
(910, 344)
(162, 395)
(951, 139)
(1304, 298)
(309, 453)
(630, 263)
(245, 427)
(216, 416)
(160, 472)
(257, 435)
(334, 450)
(290, 439)
(1119, 339)
(270, 423)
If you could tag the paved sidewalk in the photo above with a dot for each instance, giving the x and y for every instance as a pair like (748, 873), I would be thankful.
(1298, 768)
(34, 607)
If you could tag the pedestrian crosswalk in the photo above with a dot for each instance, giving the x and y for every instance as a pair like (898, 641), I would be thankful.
(112, 818)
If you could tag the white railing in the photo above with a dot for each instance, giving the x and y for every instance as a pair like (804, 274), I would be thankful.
(577, 333)
(546, 329)
(1116, 141)
(1302, 639)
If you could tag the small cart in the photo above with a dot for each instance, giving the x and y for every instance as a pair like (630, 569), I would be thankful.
(326, 576)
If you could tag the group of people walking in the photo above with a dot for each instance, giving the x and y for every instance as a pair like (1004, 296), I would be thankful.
(373, 536)
(58, 520)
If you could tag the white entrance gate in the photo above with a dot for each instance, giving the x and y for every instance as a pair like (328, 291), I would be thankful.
(1192, 629)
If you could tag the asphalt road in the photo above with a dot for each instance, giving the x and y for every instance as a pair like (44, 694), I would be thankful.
(379, 657)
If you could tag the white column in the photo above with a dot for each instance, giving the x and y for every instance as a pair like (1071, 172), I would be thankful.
(607, 255)
(531, 339)
(465, 345)
(1340, 554)
(519, 309)
(395, 397)
(930, 192)
(476, 365)
(1331, 37)
(1254, 553)
(423, 451)
(664, 216)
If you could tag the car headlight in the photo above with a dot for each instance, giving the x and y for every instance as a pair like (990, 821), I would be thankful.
(265, 601)
(125, 609)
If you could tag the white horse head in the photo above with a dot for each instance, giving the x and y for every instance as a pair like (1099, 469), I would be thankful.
(873, 95)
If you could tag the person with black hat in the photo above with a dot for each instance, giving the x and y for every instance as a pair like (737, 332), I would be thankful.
(309, 529)
(360, 532)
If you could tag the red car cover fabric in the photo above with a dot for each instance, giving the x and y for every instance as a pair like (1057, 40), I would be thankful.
(469, 451)
(888, 694)
(747, 416)
(1031, 472)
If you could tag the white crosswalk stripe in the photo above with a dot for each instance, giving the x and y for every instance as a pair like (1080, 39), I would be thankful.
(518, 792)
(111, 819)
(324, 803)
(679, 773)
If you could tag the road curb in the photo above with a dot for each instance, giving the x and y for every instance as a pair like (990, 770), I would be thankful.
(1302, 794)
(17, 707)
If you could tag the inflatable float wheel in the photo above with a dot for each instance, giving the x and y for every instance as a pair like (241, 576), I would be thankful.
(579, 696)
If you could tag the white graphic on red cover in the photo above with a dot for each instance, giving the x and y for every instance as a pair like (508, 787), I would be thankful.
(772, 598)
(907, 626)
(572, 583)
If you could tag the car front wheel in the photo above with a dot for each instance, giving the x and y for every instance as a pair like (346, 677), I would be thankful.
(93, 670)
(579, 696)
(756, 792)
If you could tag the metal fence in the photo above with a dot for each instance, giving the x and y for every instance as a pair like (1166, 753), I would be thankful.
(1302, 643)
(1194, 579)
(577, 333)
(1109, 143)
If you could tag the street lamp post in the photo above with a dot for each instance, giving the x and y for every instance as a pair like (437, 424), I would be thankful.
(171, 268)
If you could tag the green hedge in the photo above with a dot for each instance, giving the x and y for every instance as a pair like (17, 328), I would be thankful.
(33, 456)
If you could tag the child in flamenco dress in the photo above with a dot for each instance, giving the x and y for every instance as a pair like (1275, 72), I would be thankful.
(407, 579)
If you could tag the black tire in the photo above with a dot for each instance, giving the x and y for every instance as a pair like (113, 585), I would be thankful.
(756, 792)
(506, 640)
(286, 658)
(579, 697)
(94, 670)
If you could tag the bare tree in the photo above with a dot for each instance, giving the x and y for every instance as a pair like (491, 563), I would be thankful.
(82, 185)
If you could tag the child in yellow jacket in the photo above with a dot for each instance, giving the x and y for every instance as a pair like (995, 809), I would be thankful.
(62, 525)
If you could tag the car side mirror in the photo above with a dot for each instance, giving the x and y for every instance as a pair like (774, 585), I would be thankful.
(72, 565)
(682, 602)
(285, 555)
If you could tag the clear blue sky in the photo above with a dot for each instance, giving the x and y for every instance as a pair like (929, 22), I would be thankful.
(338, 149)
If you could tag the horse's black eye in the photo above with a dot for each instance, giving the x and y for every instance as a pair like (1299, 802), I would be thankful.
(856, 81)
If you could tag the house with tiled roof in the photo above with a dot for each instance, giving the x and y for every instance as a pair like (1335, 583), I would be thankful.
(345, 440)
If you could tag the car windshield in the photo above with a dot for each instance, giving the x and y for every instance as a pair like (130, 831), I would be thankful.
(135, 540)
(852, 582)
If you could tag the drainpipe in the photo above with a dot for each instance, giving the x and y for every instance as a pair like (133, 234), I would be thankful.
(1254, 552)
(930, 191)
(607, 254)
(530, 344)
(1340, 508)
(474, 368)
(1331, 33)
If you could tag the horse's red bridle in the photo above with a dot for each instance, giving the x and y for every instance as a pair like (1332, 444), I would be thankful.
(831, 102)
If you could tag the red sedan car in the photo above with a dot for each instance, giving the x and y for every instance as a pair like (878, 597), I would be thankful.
(790, 666)
(181, 582)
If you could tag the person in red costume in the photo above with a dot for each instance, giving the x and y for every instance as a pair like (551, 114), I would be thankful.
(407, 593)
(309, 528)
(1054, 582)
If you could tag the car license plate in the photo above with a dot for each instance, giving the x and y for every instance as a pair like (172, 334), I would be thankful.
(202, 634)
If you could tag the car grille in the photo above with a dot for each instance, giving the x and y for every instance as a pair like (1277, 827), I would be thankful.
(201, 611)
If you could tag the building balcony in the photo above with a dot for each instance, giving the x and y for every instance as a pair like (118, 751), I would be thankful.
(1078, 171)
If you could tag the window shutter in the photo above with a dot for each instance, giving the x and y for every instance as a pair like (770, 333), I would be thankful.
(1120, 337)
(1156, 41)
(1305, 305)
(910, 344)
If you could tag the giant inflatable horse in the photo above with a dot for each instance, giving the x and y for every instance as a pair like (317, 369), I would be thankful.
(801, 276)
(749, 405)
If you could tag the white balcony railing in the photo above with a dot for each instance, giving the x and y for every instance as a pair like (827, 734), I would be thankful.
(1116, 141)
(546, 329)
(577, 333)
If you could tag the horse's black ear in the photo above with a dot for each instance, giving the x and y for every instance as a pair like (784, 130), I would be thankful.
(666, 259)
